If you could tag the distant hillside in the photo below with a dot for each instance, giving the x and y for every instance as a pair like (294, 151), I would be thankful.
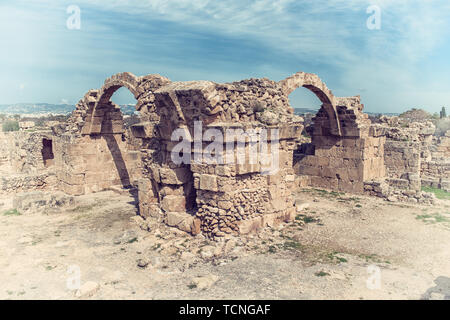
(300, 111)
(37, 109)
(390, 114)
(416, 115)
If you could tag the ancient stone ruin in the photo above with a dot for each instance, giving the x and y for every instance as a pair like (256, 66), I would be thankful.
(93, 151)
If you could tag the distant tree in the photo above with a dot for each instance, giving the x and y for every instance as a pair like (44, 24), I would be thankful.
(10, 125)
(16, 116)
(442, 126)
(443, 113)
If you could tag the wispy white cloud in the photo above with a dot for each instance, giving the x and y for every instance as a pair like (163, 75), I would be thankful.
(383, 65)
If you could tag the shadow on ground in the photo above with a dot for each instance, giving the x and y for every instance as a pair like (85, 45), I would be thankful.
(442, 289)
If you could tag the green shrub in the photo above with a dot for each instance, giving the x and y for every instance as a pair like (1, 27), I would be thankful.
(439, 193)
(11, 212)
(10, 125)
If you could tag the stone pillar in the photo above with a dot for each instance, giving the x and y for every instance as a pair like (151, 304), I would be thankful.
(239, 197)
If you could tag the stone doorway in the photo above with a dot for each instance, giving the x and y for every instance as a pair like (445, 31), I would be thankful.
(47, 152)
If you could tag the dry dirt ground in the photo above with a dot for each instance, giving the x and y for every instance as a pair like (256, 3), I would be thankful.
(340, 247)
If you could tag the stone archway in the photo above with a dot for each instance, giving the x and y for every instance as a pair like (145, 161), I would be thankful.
(142, 89)
(343, 153)
(219, 198)
(313, 83)
(101, 155)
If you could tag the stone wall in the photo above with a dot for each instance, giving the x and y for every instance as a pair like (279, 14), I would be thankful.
(224, 158)
(409, 161)
(241, 198)
(341, 162)
(435, 172)
(407, 147)
(442, 149)
(89, 164)
(25, 162)
(14, 183)
(217, 198)
(22, 152)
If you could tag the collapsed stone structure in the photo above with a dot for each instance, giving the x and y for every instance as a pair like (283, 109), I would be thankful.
(435, 172)
(344, 151)
(213, 198)
(26, 160)
(93, 151)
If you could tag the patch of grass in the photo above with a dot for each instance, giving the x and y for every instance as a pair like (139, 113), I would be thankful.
(291, 245)
(306, 219)
(373, 258)
(192, 286)
(358, 205)
(333, 256)
(11, 212)
(132, 240)
(433, 218)
(156, 246)
(84, 208)
(439, 193)
(48, 268)
(345, 199)
(272, 249)
(368, 257)
(322, 274)
(321, 192)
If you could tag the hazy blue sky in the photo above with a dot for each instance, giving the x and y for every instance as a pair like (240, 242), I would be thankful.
(404, 64)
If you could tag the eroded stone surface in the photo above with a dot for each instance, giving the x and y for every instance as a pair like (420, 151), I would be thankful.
(93, 151)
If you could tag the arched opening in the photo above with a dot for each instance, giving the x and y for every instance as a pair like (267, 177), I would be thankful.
(111, 156)
(121, 149)
(304, 101)
(313, 83)
(306, 104)
(127, 103)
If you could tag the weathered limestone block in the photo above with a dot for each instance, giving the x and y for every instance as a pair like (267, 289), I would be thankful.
(173, 203)
(250, 226)
(274, 219)
(208, 182)
(183, 221)
(177, 176)
(75, 190)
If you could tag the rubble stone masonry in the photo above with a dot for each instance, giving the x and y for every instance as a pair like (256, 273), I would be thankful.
(93, 151)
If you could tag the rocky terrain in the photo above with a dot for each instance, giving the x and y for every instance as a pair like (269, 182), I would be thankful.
(339, 246)
(96, 206)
